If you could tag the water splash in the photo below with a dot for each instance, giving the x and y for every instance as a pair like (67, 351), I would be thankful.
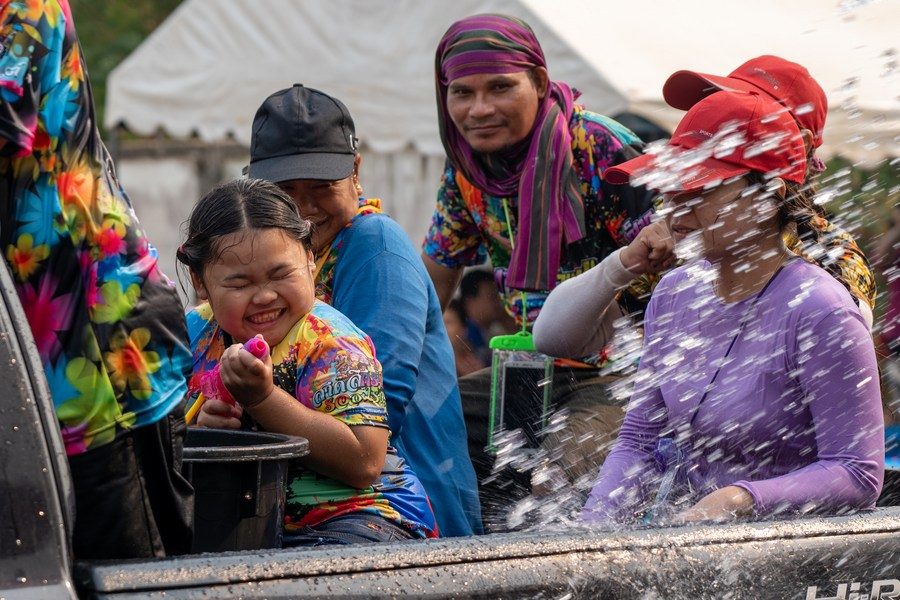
(847, 6)
(690, 247)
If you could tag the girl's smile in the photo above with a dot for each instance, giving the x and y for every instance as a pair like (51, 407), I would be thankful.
(266, 316)
(261, 283)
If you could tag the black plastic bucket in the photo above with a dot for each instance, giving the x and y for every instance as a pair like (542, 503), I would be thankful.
(238, 479)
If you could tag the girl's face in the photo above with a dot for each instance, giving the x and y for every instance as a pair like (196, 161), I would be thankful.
(261, 283)
(721, 218)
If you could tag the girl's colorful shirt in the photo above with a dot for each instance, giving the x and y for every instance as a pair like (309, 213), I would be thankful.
(469, 226)
(329, 365)
(107, 323)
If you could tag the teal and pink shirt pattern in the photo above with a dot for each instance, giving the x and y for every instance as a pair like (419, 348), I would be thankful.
(108, 325)
(329, 365)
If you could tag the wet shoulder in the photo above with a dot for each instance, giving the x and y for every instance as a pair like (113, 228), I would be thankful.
(811, 291)
(682, 280)
(323, 329)
(326, 321)
(379, 232)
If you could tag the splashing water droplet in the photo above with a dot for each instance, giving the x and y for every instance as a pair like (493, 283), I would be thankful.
(690, 247)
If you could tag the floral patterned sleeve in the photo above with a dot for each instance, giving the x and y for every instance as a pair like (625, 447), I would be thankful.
(453, 239)
(835, 250)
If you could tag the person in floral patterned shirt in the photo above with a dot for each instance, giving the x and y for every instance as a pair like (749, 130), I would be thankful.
(523, 187)
(107, 323)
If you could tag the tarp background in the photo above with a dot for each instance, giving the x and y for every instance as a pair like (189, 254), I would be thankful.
(203, 73)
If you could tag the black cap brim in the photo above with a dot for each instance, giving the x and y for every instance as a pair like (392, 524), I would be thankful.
(322, 166)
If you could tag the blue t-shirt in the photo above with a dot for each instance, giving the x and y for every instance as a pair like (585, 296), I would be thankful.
(381, 283)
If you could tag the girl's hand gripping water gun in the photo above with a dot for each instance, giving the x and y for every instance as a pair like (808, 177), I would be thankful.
(211, 385)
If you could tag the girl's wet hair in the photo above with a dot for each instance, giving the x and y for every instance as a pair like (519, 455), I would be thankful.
(235, 206)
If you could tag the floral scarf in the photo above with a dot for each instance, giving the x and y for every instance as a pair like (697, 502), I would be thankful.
(326, 262)
(540, 173)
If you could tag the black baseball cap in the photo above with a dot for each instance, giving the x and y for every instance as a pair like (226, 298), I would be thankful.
(302, 133)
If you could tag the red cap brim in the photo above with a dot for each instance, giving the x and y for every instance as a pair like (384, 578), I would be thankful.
(646, 170)
(683, 89)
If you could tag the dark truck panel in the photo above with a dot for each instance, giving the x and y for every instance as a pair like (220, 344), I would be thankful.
(35, 489)
(848, 558)
(765, 560)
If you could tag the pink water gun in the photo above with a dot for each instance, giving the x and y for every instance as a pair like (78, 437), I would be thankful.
(211, 385)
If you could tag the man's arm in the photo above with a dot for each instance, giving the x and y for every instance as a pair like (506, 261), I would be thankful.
(445, 279)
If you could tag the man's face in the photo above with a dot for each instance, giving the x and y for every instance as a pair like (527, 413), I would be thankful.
(493, 111)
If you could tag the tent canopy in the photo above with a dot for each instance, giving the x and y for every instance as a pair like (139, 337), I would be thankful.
(208, 67)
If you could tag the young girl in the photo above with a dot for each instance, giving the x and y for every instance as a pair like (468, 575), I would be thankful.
(250, 260)
(757, 392)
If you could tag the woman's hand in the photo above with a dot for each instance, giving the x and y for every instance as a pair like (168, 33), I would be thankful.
(725, 504)
(651, 251)
(247, 378)
(216, 414)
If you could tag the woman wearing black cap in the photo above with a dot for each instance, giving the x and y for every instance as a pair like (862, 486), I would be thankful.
(366, 267)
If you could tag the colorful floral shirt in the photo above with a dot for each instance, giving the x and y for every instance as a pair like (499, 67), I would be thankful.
(329, 365)
(107, 323)
(837, 252)
(470, 226)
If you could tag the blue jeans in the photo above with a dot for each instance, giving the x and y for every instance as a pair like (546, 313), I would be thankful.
(354, 528)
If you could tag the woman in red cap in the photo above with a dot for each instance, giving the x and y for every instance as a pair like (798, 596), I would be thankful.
(757, 393)
(791, 85)
(560, 332)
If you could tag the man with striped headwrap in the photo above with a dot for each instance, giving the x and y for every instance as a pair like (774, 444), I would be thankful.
(524, 187)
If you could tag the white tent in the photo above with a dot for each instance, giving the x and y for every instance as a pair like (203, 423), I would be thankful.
(207, 68)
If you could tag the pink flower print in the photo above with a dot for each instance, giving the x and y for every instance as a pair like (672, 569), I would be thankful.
(109, 242)
(74, 438)
(46, 315)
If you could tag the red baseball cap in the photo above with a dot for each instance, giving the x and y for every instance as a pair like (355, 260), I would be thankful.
(784, 81)
(722, 136)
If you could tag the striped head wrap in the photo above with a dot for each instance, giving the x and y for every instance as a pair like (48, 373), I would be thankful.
(551, 210)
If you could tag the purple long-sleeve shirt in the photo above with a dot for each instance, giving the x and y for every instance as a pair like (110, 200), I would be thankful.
(794, 416)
